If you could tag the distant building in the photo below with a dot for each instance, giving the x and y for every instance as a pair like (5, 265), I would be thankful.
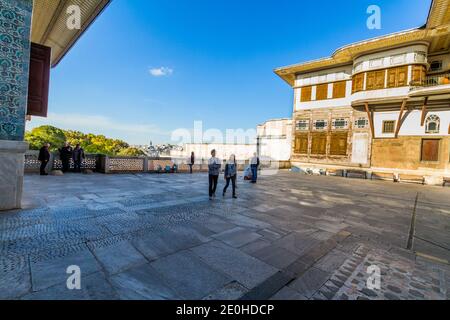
(381, 105)
(275, 139)
(203, 151)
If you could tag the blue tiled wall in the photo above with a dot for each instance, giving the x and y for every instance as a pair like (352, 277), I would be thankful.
(15, 21)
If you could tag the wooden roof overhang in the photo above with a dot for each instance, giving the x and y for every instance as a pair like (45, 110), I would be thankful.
(436, 32)
(49, 24)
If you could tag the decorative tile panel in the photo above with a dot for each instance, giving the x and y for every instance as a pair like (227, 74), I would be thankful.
(15, 21)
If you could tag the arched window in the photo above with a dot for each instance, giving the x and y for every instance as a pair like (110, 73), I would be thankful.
(432, 124)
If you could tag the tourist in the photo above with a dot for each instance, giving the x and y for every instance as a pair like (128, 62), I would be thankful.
(192, 161)
(231, 174)
(44, 158)
(78, 157)
(254, 165)
(65, 154)
(214, 170)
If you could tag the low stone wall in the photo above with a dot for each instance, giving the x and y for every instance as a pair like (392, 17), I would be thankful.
(108, 164)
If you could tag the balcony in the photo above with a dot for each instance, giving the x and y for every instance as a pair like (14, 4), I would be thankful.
(433, 80)
(431, 85)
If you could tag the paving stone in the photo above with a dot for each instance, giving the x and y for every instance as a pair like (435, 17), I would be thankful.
(50, 272)
(287, 293)
(237, 237)
(189, 276)
(93, 287)
(275, 256)
(118, 257)
(231, 291)
(142, 283)
(239, 266)
(14, 284)
(310, 282)
(268, 288)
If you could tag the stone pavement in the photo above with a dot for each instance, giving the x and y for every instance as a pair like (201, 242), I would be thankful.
(290, 236)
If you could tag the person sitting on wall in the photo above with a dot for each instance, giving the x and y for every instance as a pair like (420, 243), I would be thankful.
(174, 168)
(44, 158)
(65, 154)
(78, 157)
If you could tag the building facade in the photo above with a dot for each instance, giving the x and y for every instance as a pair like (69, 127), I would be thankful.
(274, 140)
(380, 105)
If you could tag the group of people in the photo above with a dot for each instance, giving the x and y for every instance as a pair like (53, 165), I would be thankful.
(230, 173)
(66, 153)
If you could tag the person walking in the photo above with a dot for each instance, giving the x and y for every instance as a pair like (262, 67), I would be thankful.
(44, 158)
(231, 174)
(65, 154)
(78, 157)
(214, 166)
(254, 165)
(192, 162)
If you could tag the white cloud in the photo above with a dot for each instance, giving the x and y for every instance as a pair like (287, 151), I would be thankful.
(161, 72)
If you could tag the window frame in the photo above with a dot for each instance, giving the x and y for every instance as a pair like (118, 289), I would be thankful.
(383, 126)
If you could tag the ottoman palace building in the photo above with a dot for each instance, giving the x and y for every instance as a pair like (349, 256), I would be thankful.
(380, 105)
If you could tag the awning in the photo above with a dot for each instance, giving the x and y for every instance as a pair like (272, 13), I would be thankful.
(49, 26)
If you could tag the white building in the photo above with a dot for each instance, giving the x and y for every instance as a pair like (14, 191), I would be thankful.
(380, 105)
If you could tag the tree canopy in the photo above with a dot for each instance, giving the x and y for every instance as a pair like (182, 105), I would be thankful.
(91, 143)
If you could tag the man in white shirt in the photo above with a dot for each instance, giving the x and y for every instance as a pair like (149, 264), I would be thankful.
(254, 164)
(214, 165)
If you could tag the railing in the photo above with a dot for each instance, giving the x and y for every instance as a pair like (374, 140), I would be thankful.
(432, 80)
(109, 164)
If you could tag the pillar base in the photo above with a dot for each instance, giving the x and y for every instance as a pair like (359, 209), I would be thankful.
(12, 155)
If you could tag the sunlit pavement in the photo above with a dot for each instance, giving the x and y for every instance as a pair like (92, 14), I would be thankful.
(288, 237)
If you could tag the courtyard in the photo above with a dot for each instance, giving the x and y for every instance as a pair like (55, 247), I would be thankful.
(291, 236)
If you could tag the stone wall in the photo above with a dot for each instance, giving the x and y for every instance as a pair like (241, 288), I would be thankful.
(405, 153)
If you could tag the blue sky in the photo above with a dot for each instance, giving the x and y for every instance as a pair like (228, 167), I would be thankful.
(147, 67)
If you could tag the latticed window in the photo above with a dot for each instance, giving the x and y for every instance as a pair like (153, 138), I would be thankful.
(432, 125)
(361, 123)
(320, 124)
(388, 126)
(302, 125)
(340, 123)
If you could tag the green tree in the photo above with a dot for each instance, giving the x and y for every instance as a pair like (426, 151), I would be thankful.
(45, 134)
(91, 143)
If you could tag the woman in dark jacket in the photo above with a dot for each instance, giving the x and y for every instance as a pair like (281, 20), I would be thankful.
(231, 174)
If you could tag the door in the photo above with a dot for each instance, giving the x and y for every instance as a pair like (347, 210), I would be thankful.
(360, 150)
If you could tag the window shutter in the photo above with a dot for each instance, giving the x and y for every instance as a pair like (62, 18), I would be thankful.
(380, 79)
(301, 144)
(339, 89)
(319, 143)
(38, 84)
(418, 75)
(358, 82)
(430, 150)
(402, 76)
(306, 94)
(322, 91)
(392, 75)
(370, 84)
(338, 144)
